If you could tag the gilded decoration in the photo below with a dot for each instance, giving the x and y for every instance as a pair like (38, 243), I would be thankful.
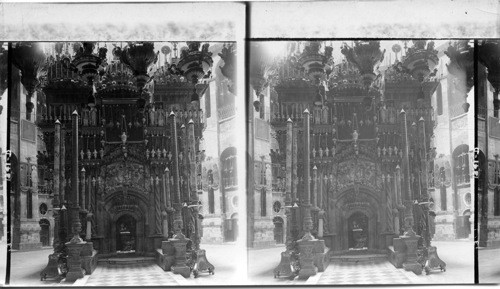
(346, 150)
(358, 172)
(124, 203)
(123, 175)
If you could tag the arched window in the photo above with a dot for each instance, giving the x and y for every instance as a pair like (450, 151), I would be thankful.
(29, 204)
(439, 99)
(496, 202)
(262, 112)
(443, 198)
(263, 202)
(461, 165)
(442, 189)
(229, 168)
(210, 177)
(211, 201)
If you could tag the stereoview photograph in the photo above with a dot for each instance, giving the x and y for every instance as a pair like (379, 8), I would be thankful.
(360, 162)
(118, 174)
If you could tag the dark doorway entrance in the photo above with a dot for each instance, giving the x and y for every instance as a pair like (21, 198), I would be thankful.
(278, 230)
(358, 231)
(45, 232)
(126, 234)
(232, 228)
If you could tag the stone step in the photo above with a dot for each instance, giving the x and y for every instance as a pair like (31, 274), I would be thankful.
(358, 257)
(126, 260)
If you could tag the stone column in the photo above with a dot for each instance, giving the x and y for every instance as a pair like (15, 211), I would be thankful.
(201, 262)
(83, 190)
(178, 223)
(56, 201)
(51, 270)
(191, 141)
(168, 196)
(75, 245)
(410, 238)
(64, 223)
(408, 197)
(166, 200)
(314, 197)
(158, 205)
(288, 192)
(284, 268)
(179, 240)
(307, 244)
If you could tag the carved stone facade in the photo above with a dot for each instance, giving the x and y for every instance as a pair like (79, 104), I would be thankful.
(450, 182)
(25, 226)
(370, 143)
(140, 152)
(489, 145)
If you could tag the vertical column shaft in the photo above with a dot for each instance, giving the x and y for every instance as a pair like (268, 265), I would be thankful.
(193, 181)
(408, 200)
(178, 223)
(306, 203)
(76, 225)
(57, 166)
(288, 178)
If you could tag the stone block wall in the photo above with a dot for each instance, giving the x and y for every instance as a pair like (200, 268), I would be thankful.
(212, 230)
(445, 230)
(30, 235)
(263, 232)
(494, 232)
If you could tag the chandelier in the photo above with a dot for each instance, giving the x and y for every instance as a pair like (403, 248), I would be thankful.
(366, 56)
(461, 65)
(30, 59)
(128, 69)
(228, 55)
(195, 64)
(315, 63)
(420, 60)
(87, 64)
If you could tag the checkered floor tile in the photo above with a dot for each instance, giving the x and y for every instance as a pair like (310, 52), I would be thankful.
(148, 274)
(368, 272)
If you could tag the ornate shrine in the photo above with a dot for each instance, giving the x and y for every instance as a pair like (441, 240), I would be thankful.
(368, 146)
(130, 178)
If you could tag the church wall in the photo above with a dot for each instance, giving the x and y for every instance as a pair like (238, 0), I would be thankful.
(263, 143)
(29, 229)
(452, 130)
(493, 149)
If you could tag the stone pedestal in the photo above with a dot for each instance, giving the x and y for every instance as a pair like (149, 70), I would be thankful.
(180, 266)
(397, 254)
(321, 255)
(411, 263)
(284, 269)
(433, 261)
(201, 263)
(52, 269)
(75, 270)
(165, 257)
(306, 258)
(89, 258)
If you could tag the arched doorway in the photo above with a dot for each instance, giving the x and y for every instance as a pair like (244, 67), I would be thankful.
(358, 231)
(232, 228)
(357, 220)
(45, 232)
(127, 208)
(278, 230)
(126, 234)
